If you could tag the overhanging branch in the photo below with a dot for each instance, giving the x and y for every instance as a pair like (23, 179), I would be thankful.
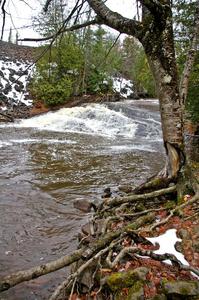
(72, 28)
(115, 20)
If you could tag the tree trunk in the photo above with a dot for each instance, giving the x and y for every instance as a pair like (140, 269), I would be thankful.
(171, 117)
(159, 47)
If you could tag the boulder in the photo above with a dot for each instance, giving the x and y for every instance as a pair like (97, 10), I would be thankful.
(120, 280)
(83, 205)
(181, 289)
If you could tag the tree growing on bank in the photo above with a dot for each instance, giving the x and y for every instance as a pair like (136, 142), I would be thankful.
(155, 33)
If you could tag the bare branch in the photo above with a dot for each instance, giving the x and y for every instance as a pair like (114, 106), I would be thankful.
(45, 9)
(73, 276)
(72, 28)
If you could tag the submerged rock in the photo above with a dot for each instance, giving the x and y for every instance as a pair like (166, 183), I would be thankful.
(84, 205)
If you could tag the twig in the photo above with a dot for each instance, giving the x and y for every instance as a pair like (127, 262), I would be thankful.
(66, 282)
(173, 211)
(72, 290)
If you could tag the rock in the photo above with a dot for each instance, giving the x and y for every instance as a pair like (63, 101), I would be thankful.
(125, 188)
(159, 297)
(184, 234)
(181, 289)
(178, 246)
(136, 292)
(120, 280)
(107, 193)
(83, 205)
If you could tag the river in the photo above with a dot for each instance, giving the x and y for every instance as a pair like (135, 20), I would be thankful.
(50, 161)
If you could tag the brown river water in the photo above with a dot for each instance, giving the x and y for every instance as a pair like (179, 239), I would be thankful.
(50, 161)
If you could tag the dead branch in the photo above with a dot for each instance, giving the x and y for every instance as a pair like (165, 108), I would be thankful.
(35, 272)
(133, 198)
(62, 30)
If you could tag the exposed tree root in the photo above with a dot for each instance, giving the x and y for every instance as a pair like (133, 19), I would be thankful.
(134, 198)
(84, 266)
(159, 257)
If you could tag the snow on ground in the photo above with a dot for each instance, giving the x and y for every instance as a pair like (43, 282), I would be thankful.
(123, 86)
(14, 78)
(167, 243)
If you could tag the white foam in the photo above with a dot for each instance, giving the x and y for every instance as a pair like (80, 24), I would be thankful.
(91, 119)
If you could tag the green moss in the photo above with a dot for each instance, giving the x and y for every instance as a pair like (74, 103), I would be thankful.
(136, 291)
(120, 280)
(170, 204)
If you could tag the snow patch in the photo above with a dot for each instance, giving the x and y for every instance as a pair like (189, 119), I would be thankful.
(167, 243)
(123, 86)
(15, 76)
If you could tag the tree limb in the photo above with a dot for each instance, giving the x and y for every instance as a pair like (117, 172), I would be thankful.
(154, 6)
(115, 20)
(72, 28)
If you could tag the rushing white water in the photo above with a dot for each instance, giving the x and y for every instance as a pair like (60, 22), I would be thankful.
(92, 119)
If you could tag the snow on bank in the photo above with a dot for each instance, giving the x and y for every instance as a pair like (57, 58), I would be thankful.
(123, 86)
(167, 243)
(15, 76)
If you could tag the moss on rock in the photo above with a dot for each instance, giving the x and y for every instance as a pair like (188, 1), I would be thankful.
(120, 280)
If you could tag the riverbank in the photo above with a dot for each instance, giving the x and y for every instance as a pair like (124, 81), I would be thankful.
(134, 266)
